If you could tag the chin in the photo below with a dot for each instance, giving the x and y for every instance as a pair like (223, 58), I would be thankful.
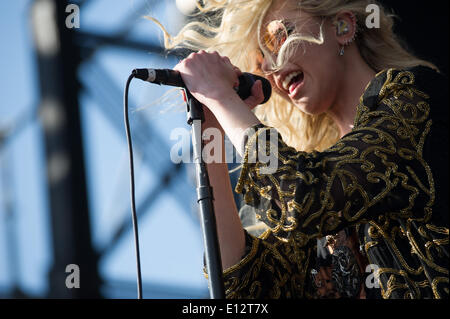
(311, 106)
(307, 108)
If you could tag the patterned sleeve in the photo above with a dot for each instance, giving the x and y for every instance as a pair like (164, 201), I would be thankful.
(377, 166)
(376, 169)
(270, 269)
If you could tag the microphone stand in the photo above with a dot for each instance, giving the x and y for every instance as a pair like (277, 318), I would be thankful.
(204, 192)
(204, 198)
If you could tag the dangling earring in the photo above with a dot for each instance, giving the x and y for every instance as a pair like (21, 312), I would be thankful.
(341, 29)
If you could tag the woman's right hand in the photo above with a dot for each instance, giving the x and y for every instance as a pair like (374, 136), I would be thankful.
(210, 77)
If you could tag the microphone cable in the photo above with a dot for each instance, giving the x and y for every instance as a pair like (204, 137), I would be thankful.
(133, 196)
(169, 77)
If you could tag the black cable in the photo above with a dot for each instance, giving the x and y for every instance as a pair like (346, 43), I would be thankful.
(133, 202)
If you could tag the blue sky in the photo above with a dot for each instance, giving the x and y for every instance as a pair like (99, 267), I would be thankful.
(170, 236)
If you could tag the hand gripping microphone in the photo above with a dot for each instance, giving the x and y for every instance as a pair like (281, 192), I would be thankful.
(173, 78)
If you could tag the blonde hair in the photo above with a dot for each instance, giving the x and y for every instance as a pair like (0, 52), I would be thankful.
(237, 36)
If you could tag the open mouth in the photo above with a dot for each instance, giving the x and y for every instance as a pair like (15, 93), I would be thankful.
(293, 81)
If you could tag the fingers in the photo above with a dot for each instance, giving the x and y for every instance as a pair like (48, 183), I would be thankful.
(235, 68)
(257, 91)
(208, 73)
(257, 96)
(203, 53)
(228, 63)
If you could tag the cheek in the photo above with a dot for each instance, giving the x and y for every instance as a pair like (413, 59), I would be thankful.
(323, 62)
(324, 72)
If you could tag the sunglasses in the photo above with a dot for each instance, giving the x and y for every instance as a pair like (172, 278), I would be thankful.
(276, 34)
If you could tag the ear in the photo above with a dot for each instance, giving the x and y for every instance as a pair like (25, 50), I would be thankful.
(345, 25)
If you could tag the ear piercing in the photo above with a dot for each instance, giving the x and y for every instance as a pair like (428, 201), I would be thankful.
(342, 29)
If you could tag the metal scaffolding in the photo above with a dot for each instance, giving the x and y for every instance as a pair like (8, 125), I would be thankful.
(61, 53)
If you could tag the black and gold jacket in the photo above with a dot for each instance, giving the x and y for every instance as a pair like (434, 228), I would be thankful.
(386, 180)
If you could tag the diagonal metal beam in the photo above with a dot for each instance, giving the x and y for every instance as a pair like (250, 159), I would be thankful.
(143, 208)
(12, 129)
(104, 93)
(94, 41)
(148, 141)
(90, 42)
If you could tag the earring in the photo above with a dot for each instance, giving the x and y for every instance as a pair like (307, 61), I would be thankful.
(342, 27)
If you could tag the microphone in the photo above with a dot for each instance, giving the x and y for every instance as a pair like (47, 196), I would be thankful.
(173, 78)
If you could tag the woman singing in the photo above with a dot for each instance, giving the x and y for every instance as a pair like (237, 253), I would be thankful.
(356, 205)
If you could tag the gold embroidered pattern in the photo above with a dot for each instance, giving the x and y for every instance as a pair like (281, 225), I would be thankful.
(375, 177)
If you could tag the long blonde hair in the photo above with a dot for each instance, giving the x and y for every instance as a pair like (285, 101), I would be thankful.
(237, 36)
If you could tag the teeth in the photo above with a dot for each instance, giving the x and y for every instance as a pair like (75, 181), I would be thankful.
(289, 78)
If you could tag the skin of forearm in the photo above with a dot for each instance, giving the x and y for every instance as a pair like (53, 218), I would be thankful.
(234, 117)
(229, 227)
